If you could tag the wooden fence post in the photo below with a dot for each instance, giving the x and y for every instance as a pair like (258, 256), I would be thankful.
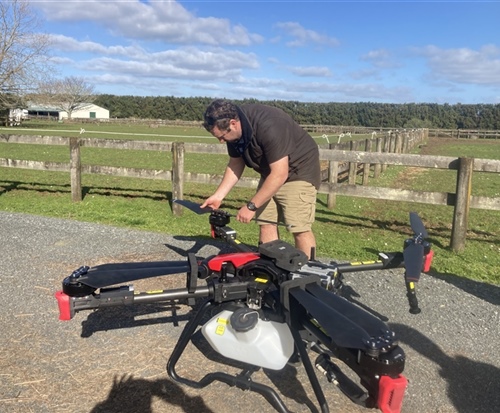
(462, 204)
(177, 175)
(386, 148)
(408, 138)
(392, 142)
(398, 144)
(366, 166)
(353, 165)
(333, 177)
(75, 169)
(378, 167)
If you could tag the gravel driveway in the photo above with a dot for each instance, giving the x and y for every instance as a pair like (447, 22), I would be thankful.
(114, 360)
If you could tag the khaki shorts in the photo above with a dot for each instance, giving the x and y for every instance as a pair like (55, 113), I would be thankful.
(294, 204)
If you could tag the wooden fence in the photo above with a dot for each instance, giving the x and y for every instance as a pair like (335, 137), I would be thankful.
(465, 133)
(344, 163)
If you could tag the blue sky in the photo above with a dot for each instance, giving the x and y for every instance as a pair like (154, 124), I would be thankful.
(309, 51)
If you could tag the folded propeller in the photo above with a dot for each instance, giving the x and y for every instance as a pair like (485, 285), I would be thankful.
(415, 249)
(197, 209)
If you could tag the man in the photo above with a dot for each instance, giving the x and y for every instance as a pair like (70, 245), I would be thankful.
(286, 157)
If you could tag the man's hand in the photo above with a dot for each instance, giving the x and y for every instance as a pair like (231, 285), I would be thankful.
(245, 215)
(212, 202)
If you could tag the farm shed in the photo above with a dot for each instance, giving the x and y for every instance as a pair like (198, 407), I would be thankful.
(90, 111)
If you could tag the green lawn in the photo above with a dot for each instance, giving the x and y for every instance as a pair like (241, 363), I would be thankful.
(355, 230)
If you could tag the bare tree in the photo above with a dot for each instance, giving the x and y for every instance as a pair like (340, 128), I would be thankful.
(69, 94)
(23, 52)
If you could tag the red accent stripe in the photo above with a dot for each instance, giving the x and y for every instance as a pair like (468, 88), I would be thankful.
(237, 259)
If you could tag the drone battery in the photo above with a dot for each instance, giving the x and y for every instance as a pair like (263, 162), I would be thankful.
(284, 255)
(268, 344)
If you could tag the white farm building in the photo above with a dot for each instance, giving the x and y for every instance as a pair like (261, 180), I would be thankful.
(89, 111)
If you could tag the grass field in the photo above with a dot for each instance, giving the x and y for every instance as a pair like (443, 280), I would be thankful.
(357, 229)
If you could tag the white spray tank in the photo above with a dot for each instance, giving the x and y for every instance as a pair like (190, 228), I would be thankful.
(241, 335)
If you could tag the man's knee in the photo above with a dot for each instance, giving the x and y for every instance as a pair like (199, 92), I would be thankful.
(305, 241)
(268, 233)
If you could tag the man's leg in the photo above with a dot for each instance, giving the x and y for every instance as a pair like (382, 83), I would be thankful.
(268, 233)
(297, 200)
(268, 212)
(305, 241)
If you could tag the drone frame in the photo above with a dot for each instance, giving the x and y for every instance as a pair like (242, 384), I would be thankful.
(308, 303)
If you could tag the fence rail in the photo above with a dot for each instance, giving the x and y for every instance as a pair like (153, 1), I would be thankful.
(344, 164)
(465, 133)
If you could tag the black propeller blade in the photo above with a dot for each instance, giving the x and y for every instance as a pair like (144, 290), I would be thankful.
(367, 321)
(414, 259)
(120, 273)
(193, 206)
(347, 324)
(414, 251)
(417, 225)
(342, 330)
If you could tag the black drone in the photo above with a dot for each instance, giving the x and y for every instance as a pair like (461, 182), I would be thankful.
(267, 306)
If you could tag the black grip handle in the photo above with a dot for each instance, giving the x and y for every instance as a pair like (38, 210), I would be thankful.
(412, 297)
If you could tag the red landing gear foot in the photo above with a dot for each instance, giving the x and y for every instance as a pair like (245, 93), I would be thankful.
(428, 261)
(391, 394)
(64, 306)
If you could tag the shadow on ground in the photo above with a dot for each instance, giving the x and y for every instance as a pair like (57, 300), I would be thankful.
(472, 386)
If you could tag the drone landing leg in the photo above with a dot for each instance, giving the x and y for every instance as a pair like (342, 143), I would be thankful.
(183, 341)
(242, 381)
(306, 361)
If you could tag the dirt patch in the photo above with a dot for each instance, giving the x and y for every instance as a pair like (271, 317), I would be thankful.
(406, 177)
(434, 145)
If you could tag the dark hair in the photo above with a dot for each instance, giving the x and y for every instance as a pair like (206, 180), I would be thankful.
(219, 113)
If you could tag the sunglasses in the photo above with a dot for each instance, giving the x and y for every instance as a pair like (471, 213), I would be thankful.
(223, 136)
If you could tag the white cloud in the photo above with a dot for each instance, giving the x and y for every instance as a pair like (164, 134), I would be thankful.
(380, 58)
(311, 71)
(134, 60)
(189, 63)
(464, 65)
(302, 36)
(164, 47)
(69, 44)
(363, 74)
(164, 21)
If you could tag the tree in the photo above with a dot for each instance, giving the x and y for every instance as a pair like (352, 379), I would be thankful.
(69, 94)
(23, 52)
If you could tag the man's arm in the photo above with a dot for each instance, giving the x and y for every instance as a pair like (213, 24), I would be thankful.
(273, 182)
(232, 174)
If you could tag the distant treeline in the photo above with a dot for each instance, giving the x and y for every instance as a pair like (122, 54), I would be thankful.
(374, 115)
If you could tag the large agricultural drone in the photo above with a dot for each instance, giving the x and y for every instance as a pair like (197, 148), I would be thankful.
(271, 305)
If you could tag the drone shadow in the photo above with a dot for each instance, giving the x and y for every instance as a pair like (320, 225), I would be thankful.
(118, 401)
(484, 291)
(285, 380)
(114, 318)
(473, 386)
(132, 395)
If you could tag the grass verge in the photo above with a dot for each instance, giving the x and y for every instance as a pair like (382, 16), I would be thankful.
(357, 229)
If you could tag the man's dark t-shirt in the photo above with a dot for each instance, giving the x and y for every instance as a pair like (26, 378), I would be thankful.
(269, 134)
